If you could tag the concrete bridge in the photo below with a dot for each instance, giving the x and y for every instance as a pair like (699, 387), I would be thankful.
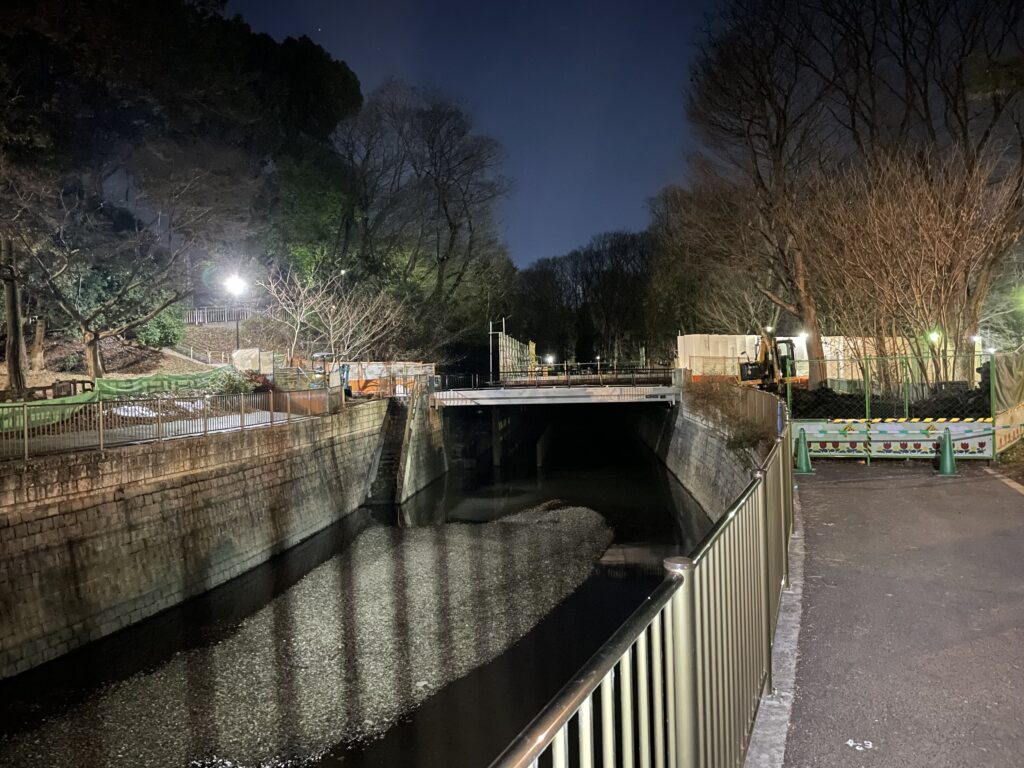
(563, 387)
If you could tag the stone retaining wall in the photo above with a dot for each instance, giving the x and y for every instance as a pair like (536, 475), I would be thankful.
(424, 456)
(94, 541)
(698, 455)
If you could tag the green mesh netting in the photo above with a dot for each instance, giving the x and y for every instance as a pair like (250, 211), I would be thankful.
(159, 382)
(1009, 373)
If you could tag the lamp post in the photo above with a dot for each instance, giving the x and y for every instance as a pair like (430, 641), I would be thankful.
(235, 286)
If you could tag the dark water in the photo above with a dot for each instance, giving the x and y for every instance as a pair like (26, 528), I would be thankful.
(469, 721)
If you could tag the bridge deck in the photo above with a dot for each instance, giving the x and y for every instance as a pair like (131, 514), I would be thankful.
(913, 619)
(553, 395)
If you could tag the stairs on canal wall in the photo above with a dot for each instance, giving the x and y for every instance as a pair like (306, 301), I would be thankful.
(384, 488)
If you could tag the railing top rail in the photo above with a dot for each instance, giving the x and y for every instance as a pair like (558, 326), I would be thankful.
(723, 522)
(535, 737)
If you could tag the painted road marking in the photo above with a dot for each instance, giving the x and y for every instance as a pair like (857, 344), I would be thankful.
(860, 746)
(1007, 481)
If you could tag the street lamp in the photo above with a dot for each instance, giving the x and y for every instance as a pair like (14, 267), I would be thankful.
(934, 337)
(235, 285)
(549, 359)
(598, 365)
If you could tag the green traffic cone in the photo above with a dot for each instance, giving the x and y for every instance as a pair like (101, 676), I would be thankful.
(947, 462)
(803, 456)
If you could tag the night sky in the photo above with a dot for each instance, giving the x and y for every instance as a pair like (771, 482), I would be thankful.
(586, 96)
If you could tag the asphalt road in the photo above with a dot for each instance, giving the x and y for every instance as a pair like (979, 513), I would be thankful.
(911, 650)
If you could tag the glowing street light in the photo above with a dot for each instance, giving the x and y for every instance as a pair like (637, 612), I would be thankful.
(991, 350)
(934, 337)
(804, 335)
(549, 359)
(768, 329)
(235, 285)
(976, 339)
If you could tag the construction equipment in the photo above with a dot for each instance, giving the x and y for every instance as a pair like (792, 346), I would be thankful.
(774, 360)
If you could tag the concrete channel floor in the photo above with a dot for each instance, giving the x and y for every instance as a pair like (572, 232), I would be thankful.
(911, 648)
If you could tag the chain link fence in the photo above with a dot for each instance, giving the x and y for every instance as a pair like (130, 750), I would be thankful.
(901, 387)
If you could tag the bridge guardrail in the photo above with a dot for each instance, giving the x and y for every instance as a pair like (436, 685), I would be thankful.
(679, 684)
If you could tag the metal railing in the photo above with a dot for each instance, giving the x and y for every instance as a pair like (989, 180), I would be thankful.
(39, 429)
(584, 375)
(205, 315)
(200, 355)
(679, 684)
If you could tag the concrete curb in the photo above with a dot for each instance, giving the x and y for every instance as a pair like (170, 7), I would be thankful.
(768, 741)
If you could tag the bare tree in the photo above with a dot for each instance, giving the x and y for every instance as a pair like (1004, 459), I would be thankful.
(905, 243)
(356, 323)
(709, 266)
(784, 88)
(296, 300)
(350, 321)
(761, 113)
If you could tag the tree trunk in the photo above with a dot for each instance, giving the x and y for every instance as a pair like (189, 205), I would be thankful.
(93, 355)
(817, 368)
(15, 346)
(36, 360)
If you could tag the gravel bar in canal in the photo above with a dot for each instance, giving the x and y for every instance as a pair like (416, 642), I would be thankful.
(357, 643)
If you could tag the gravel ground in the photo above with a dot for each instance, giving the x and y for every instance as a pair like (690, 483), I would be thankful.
(356, 644)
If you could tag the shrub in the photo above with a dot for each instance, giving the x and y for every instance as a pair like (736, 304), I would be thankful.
(722, 404)
(228, 381)
(164, 330)
(72, 363)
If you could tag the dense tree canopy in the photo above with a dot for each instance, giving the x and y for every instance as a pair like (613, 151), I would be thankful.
(138, 139)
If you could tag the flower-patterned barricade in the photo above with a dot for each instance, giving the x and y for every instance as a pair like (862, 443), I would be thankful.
(896, 438)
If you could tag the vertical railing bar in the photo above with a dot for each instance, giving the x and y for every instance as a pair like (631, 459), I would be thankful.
(766, 581)
(643, 700)
(560, 749)
(626, 701)
(728, 631)
(657, 674)
(99, 405)
(738, 629)
(725, 630)
(673, 653)
(608, 719)
(703, 666)
(751, 615)
(585, 723)
(719, 681)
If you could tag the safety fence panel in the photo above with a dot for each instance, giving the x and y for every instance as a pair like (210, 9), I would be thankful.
(679, 684)
(715, 368)
(896, 438)
(1009, 427)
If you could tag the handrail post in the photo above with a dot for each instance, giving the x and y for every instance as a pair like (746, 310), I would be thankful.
(206, 415)
(159, 419)
(684, 661)
(24, 427)
(270, 401)
(780, 468)
(99, 404)
(766, 586)
(241, 410)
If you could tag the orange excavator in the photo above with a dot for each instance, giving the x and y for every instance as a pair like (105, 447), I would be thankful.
(769, 371)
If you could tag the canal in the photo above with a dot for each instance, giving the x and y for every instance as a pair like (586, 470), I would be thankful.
(374, 644)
